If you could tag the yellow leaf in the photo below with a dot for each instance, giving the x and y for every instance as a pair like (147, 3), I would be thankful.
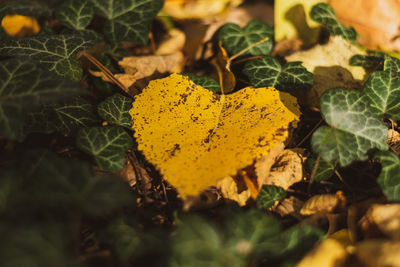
(330, 66)
(198, 9)
(329, 253)
(196, 137)
(222, 64)
(20, 26)
(292, 20)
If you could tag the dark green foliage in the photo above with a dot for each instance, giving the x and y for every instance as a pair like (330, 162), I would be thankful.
(325, 15)
(267, 71)
(108, 145)
(235, 39)
(115, 110)
(24, 88)
(268, 195)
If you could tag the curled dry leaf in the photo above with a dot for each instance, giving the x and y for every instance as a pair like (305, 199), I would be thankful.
(196, 137)
(378, 253)
(286, 170)
(20, 26)
(330, 66)
(290, 206)
(386, 217)
(222, 64)
(377, 21)
(394, 141)
(198, 9)
(168, 58)
(329, 253)
(230, 190)
(323, 203)
(235, 188)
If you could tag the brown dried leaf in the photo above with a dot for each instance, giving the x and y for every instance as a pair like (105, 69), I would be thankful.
(174, 43)
(394, 141)
(377, 21)
(143, 66)
(330, 66)
(386, 217)
(286, 171)
(378, 253)
(227, 79)
(230, 190)
(290, 206)
(325, 203)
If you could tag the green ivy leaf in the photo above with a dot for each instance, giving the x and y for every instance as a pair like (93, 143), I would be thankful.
(39, 121)
(355, 128)
(115, 110)
(235, 39)
(300, 239)
(108, 145)
(324, 170)
(56, 52)
(391, 65)
(127, 20)
(268, 195)
(25, 8)
(204, 81)
(389, 178)
(25, 87)
(76, 14)
(325, 15)
(383, 91)
(367, 62)
(71, 186)
(267, 71)
(70, 116)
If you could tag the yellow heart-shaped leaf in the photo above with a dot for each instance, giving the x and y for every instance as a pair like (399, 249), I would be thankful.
(196, 137)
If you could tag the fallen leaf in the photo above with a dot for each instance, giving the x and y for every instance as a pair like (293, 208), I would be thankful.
(236, 189)
(376, 22)
(20, 26)
(387, 218)
(394, 141)
(286, 170)
(325, 203)
(329, 253)
(378, 253)
(198, 9)
(196, 137)
(290, 206)
(222, 64)
(173, 43)
(143, 66)
(229, 189)
(330, 66)
(292, 20)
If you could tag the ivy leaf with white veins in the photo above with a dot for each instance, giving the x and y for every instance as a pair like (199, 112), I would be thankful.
(268, 195)
(25, 87)
(25, 8)
(267, 71)
(325, 15)
(389, 178)
(391, 65)
(127, 20)
(383, 91)
(355, 128)
(108, 145)
(204, 81)
(235, 39)
(70, 116)
(115, 110)
(55, 52)
(76, 14)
